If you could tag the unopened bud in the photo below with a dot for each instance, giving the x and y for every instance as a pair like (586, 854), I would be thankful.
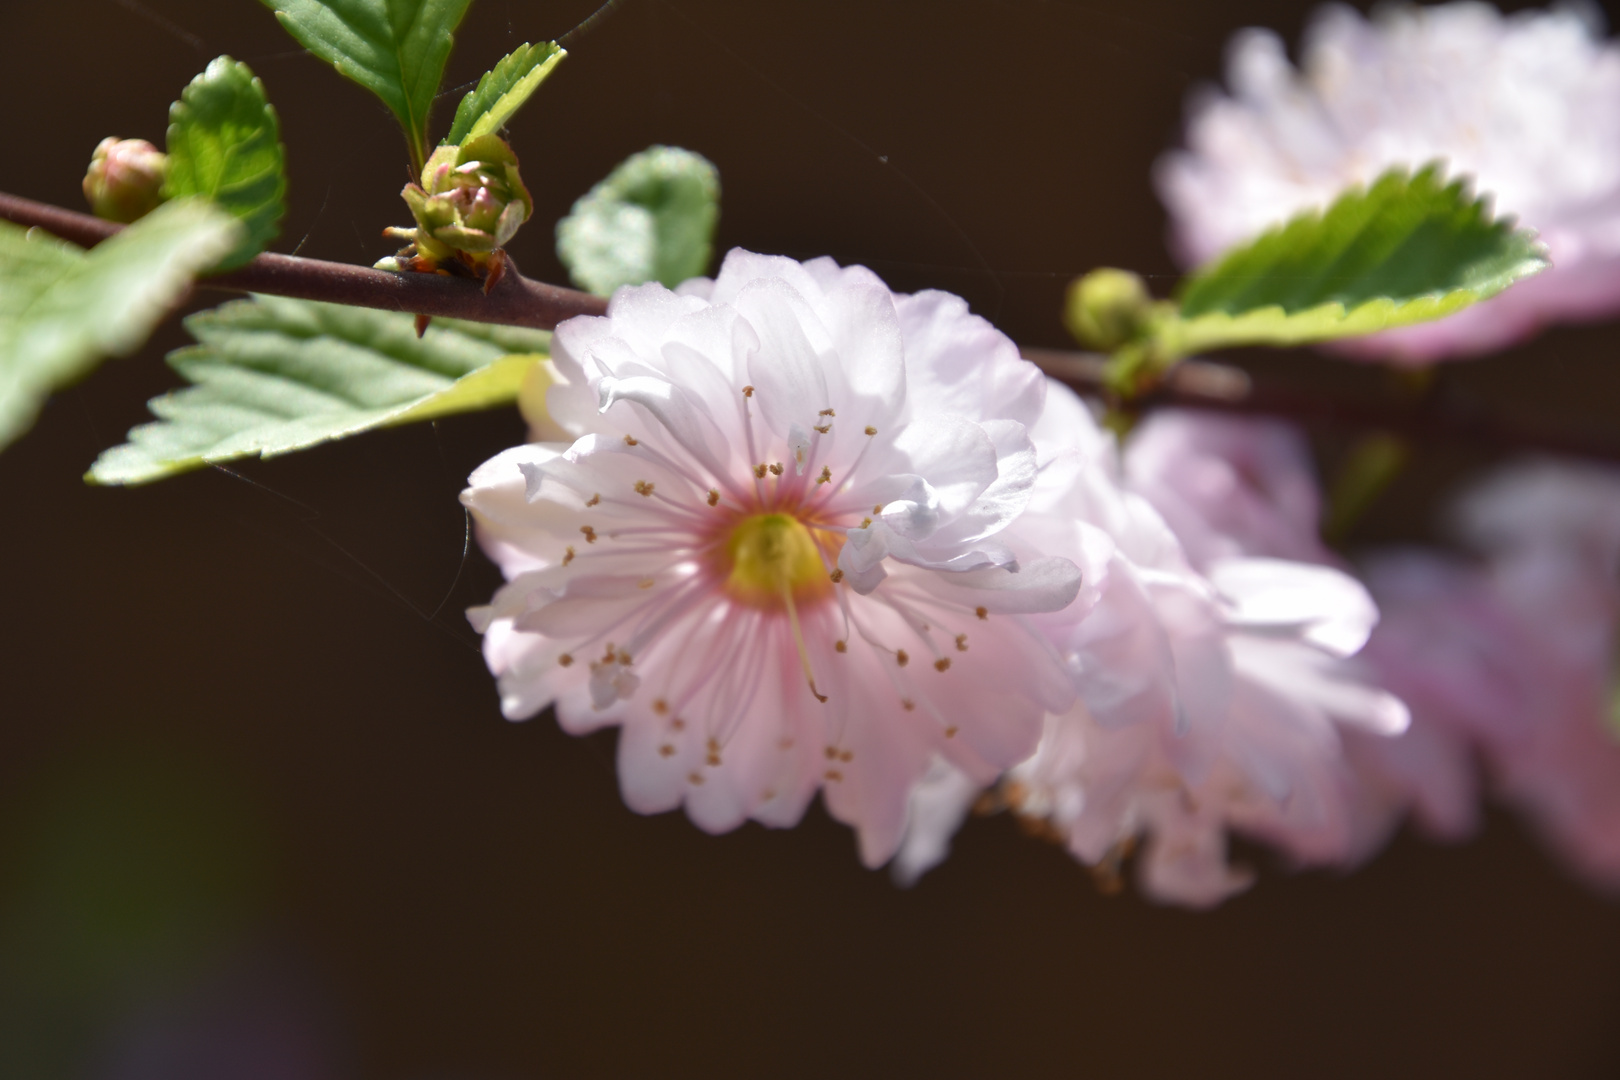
(470, 202)
(1108, 308)
(125, 179)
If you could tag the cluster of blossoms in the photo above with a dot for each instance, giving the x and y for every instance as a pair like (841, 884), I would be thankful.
(1528, 105)
(793, 533)
(800, 533)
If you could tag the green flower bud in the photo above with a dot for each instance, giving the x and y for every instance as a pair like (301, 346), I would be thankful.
(1108, 308)
(125, 179)
(470, 201)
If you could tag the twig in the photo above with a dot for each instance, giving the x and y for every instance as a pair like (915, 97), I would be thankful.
(516, 301)
(1200, 384)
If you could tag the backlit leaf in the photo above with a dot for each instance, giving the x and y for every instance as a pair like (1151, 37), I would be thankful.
(62, 309)
(1407, 249)
(652, 219)
(502, 91)
(395, 48)
(272, 375)
(225, 145)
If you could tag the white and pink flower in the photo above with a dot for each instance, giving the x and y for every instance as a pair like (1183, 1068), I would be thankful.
(772, 552)
(1211, 695)
(1528, 105)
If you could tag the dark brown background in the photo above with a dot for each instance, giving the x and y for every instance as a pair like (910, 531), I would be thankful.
(247, 740)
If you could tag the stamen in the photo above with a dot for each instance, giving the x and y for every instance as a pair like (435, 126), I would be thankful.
(594, 499)
(667, 750)
(878, 509)
(798, 640)
(982, 613)
(950, 732)
(714, 497)
(748, 391)
(942, 664)
(826, 412)
(826, 475)
(870, 430)
(694, 778)
(908, 705)
(866, 523)
(590, 534)
(961, 643)
(834, 774)
(776, 469)
(902, 658)
(759, 472)
(660, 707)
(565, 660)
(643, 488)
(568, 554)
(837, 576)
(841, 646)
(630, 440)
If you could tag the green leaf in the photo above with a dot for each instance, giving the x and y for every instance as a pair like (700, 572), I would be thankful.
(62, 308)
(272, 375)
(225, 145)
(394, 48)
(1408, 249)
(502, 91)
(652, 219)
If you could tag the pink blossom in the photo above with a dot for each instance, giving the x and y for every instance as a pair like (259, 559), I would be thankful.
(1211, 696)
(772, 552)
(1528, 105)
(1513, 659)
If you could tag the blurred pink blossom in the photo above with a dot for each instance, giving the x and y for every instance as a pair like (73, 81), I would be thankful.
(1528, 105)
(1514, 658)
(1212, 690)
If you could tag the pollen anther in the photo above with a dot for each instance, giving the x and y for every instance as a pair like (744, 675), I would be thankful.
(961, 643)
(776, 469)
(826, 475)
(594, 499)
(565, 659)
(630, 440)
(982, 613)
(568, 554)
(942, 664)
(714, 497)
(870, 430)
(643, 488)
(902, 658)
(590, 534)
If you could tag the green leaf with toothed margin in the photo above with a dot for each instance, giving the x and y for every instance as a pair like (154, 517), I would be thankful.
(397, 49)
(224, 144)
(502, 91)
(652, 219)
(63, 308)
(1409, 248)
(272, 375)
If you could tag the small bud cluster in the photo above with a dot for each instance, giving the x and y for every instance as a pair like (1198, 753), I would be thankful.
(125, 179)
(470, 202)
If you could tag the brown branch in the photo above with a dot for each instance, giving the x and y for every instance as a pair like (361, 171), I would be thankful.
(1434, 417)
(516, 301)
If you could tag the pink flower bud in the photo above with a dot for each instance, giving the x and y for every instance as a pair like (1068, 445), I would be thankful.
(125, 179)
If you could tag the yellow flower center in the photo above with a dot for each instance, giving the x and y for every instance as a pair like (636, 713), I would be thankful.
(771, 560)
